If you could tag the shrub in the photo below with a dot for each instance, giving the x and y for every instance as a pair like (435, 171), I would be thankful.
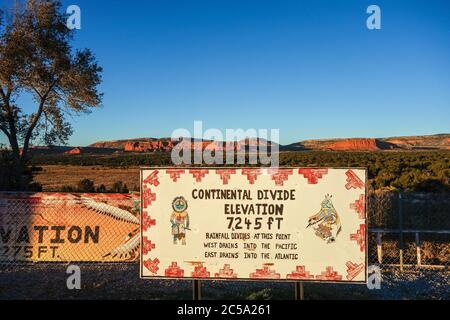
(101, 189)
(86, 185)
(119, 187)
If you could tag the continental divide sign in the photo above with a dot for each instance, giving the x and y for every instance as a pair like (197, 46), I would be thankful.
(65, 227)
(287, 224)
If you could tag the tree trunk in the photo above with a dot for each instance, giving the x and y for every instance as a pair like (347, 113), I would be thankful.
(19, 165)
(19, 171)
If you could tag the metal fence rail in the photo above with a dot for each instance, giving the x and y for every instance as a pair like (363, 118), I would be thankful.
(409, 230)
(435, 254)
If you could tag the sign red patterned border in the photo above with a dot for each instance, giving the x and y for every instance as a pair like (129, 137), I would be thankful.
(266, 272)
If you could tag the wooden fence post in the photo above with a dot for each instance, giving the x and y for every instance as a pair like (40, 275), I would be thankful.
(400, 222)
(418, 251)
(379, 248)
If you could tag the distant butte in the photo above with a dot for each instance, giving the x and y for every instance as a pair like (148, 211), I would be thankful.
(360, 145)
(431, 142)
(145, 145)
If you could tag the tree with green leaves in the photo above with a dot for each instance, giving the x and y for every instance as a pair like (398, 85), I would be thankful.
(37, 59)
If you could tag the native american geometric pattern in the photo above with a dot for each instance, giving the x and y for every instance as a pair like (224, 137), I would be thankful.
(252, 174)
(360, 206)
(200, 271)
(280, 175)
(300, 273)
(147, 221)
(198, 174)
(225, 174)
(360, 237)
(353, 269)
(175, 174)
(152, 179)
(152, 265)
(226, 272)
(313, 175)
(329, 274)
(353, 181)
(174, 271)
(265, 273)
(147, 197)
(147, 245)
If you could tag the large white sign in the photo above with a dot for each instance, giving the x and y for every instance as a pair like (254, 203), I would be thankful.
(254, 223)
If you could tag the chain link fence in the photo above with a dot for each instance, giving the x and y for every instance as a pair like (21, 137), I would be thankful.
(409, 230)
(408, 239)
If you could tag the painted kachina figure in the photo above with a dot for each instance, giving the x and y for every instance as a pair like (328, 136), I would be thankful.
(179, 220)
(327, 224)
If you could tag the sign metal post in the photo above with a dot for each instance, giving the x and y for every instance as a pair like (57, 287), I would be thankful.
(196, 290)
(299, 291)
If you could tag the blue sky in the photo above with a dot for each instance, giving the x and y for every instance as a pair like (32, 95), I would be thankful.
(309, 68)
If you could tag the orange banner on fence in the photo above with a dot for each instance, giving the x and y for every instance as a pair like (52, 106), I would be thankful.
(56, 227)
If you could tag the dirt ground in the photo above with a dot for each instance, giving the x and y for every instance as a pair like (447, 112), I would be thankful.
(121, 281)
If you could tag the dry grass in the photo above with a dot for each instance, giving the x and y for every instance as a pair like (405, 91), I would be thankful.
(54, 177)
